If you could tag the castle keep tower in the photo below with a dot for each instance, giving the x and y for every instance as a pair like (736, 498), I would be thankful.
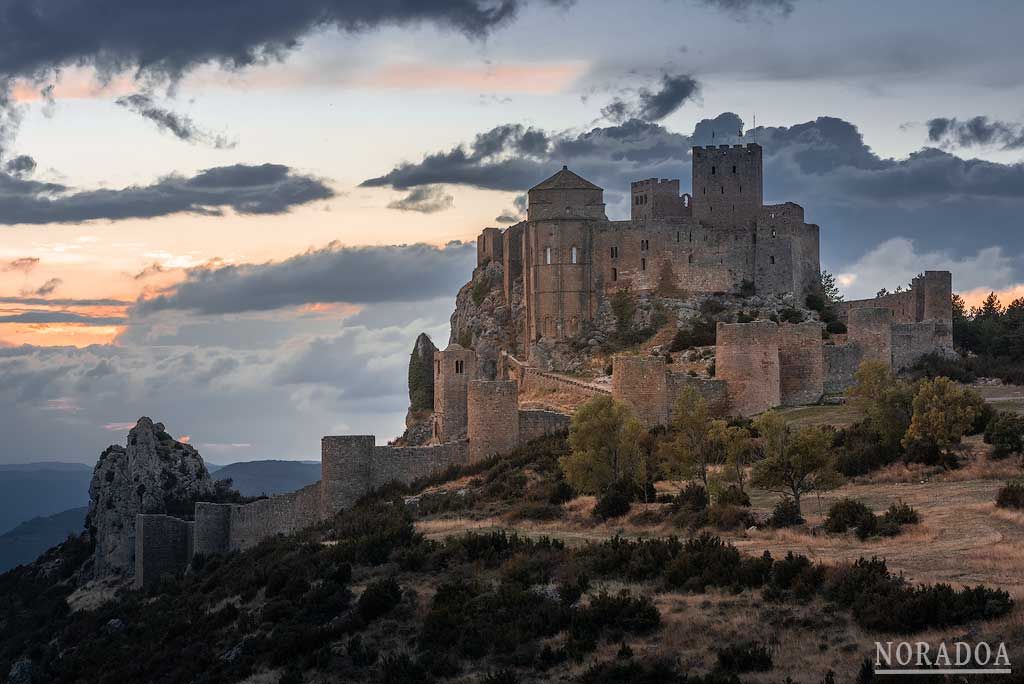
(557, 255)
(454, 368)
(727, 185)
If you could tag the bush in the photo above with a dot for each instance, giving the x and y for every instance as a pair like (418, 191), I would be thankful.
(785, 514)
(615, 501)
(850, 513)
(708, 561)
(901, 514)
(727, 517)
(860, 451)
(662, 671)
(1011, 496)
(835, 328)
(745, 657)
(693, 497)
(791, 315)
(379, 598)
(1005, 432)
(638, 560)
(616, 614)
(701, 333)
(733, 496)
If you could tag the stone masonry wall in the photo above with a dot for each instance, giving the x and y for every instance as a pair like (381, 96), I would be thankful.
(747, 359)
(714, 391)
(534, 423)
(871, 328)
(641, 382)
(841, 362)
(163, 545)
(801, 363)
(493, 422)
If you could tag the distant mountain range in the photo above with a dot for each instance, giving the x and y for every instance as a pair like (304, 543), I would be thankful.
(40, 503)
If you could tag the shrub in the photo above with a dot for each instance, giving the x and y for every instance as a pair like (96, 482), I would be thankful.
(745, 657)
(692, 497)
(1005, 432)
(727, 517)
(662, 671)
(1011, 496)
(791, 315)
(835, 327)
(901, 514)
(700, 333)
(708, 561)
(616, 613)
(711, 307)
(480, 290)
(638, 560)
(785, 514)
(732, 496)
(850, 513)
(378, 598)
(537, 510)
(615, 501)
(860, 451)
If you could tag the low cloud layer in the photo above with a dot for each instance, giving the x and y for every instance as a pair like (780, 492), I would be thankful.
(427, 199)
(974, 132)
(178, 125)
(43, 317)
(245, 189)
(355, 275)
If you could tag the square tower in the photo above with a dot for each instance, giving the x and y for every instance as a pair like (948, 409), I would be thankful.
(454, 368)
(728, 187)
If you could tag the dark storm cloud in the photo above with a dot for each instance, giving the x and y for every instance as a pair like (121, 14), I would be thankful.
(41, 317)
(170, 38)
(22, 165)
(181, 127)
(264, 189)
(979, 130)
(859, 198)
(358, 275)
(426, 199)
(655, 105)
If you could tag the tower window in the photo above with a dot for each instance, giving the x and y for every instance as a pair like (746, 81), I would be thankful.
(712, 170)
(438, 363)
(723, 189)
(677, 236)
(459, 366)
(615, 274)
(643, 264)
(615, 252)
(773, 232)
(547, 255)
(689, 259)
(572, 257)
(771, 259)
(644, 244)
(734, 168)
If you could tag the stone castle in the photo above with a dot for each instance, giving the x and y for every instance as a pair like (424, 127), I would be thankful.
(559, 268)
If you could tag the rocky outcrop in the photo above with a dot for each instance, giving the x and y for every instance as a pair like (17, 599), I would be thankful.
(153, 473)
(419, 419)
(484, 321)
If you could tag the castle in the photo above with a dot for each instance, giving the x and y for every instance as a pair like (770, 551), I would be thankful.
(567, 259)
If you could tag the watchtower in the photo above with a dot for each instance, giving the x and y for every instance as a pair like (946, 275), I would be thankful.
(454, 368)
(728, 186)
(655, 198)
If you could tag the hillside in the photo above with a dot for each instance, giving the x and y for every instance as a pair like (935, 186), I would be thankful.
(403, 589)
(256, 478)
(41, 489)
(25, 542)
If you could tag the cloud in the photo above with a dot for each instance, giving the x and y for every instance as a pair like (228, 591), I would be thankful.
(162, 39)
(426, 199)
(153, 269)
(743, 9)
(650, 105)
(47, 288)
(977, 131)
(20, 166)
(22, 264)
(45, 317)
(262, 189)
(181, 127)
(357, 275)
(37, 301)
(897, 260)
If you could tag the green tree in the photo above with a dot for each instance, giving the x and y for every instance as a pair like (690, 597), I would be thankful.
(421, 374)
(795, 462)
(943, 412)
(829, 288)
(691, 450)
(1005, 433)
(738, 449)
(887, 402)
(604, 441)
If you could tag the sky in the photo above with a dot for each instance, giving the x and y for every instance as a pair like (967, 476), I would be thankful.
(236, 218)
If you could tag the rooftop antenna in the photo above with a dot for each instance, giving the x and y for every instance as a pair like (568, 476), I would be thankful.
(754, 131)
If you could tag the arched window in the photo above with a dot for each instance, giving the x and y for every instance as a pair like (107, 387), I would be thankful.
(573, 255)
(547, 255)
(615, 274)
(458, 366)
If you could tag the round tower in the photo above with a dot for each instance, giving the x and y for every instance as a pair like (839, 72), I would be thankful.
(492, 417)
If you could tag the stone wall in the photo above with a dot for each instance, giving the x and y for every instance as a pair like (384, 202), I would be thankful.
(534, 381)
(163, 546)
(714, 391)
(489, 247)
(841, 362)
(641, 382)
(406, 464)
(911, 341)
(493, 422)
(747, 359)
(727, 184)
(655, 199)
(454, 368)
(535, 423)
(801, 363)
(930, 298)
(871, 328)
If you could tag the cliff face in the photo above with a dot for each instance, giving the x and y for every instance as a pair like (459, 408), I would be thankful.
(484, 321)
(419, 417)
(153, 473)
